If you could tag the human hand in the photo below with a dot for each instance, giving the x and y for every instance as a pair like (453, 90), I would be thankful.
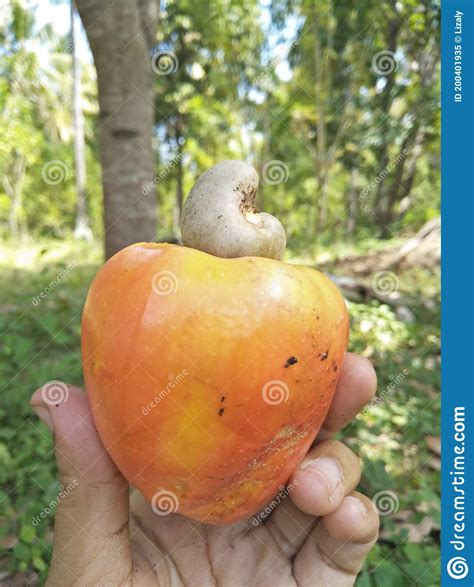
(318, 536)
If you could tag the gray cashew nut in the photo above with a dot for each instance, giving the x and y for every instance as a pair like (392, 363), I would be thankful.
(220, 218)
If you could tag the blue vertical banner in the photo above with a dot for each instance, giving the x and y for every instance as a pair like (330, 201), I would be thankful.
(457, 158)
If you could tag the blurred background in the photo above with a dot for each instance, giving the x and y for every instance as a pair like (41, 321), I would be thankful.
(337, 106)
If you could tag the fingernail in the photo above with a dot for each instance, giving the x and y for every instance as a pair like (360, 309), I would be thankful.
(328, 470)
(358, 508)
(43, 414)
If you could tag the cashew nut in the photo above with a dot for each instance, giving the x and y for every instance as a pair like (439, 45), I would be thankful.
(220, 218)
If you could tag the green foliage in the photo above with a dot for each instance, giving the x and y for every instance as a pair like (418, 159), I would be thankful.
(247, 84)
(392, 433)
(36, 129)
(41, 342)
(288, 81)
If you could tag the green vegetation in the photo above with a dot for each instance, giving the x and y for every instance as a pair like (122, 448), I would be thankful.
(42, 342)
(347, 145)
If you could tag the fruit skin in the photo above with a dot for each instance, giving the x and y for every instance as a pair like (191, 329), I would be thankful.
(180, 349)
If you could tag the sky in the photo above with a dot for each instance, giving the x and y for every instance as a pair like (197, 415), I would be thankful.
(57, 14)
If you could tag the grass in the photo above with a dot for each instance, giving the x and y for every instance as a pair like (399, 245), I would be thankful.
(41, 298)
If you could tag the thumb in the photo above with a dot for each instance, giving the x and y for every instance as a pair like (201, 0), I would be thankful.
(91, 536)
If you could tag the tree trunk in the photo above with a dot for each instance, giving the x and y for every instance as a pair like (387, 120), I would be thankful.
(321, 140)
(120, 33)
(14, 189)
(326, 149)
(417, 150)
(401, 185)
(386, 101)
(389, 197)
(81, 228)
(265, 151)
(178, 204)
(352, 205)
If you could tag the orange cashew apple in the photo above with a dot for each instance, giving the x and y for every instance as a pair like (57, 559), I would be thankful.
(210, 376)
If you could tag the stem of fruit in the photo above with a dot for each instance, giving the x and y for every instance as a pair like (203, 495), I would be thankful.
(219, 216)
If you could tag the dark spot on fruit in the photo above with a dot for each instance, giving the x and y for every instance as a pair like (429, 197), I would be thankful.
(290, 361)
(222, 398)
(221, 411)
(323, 356)
(334, 366)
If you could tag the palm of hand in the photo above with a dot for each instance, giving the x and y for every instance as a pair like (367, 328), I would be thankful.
(291, 548)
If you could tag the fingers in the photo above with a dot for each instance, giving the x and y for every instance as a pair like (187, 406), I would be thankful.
(91, 543)
(336, 549)
(356, 520)
(330, 470)
(328, 473)
(357, 386)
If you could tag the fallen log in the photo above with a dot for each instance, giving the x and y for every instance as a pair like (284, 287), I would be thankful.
(356, 290)
(422, 250)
